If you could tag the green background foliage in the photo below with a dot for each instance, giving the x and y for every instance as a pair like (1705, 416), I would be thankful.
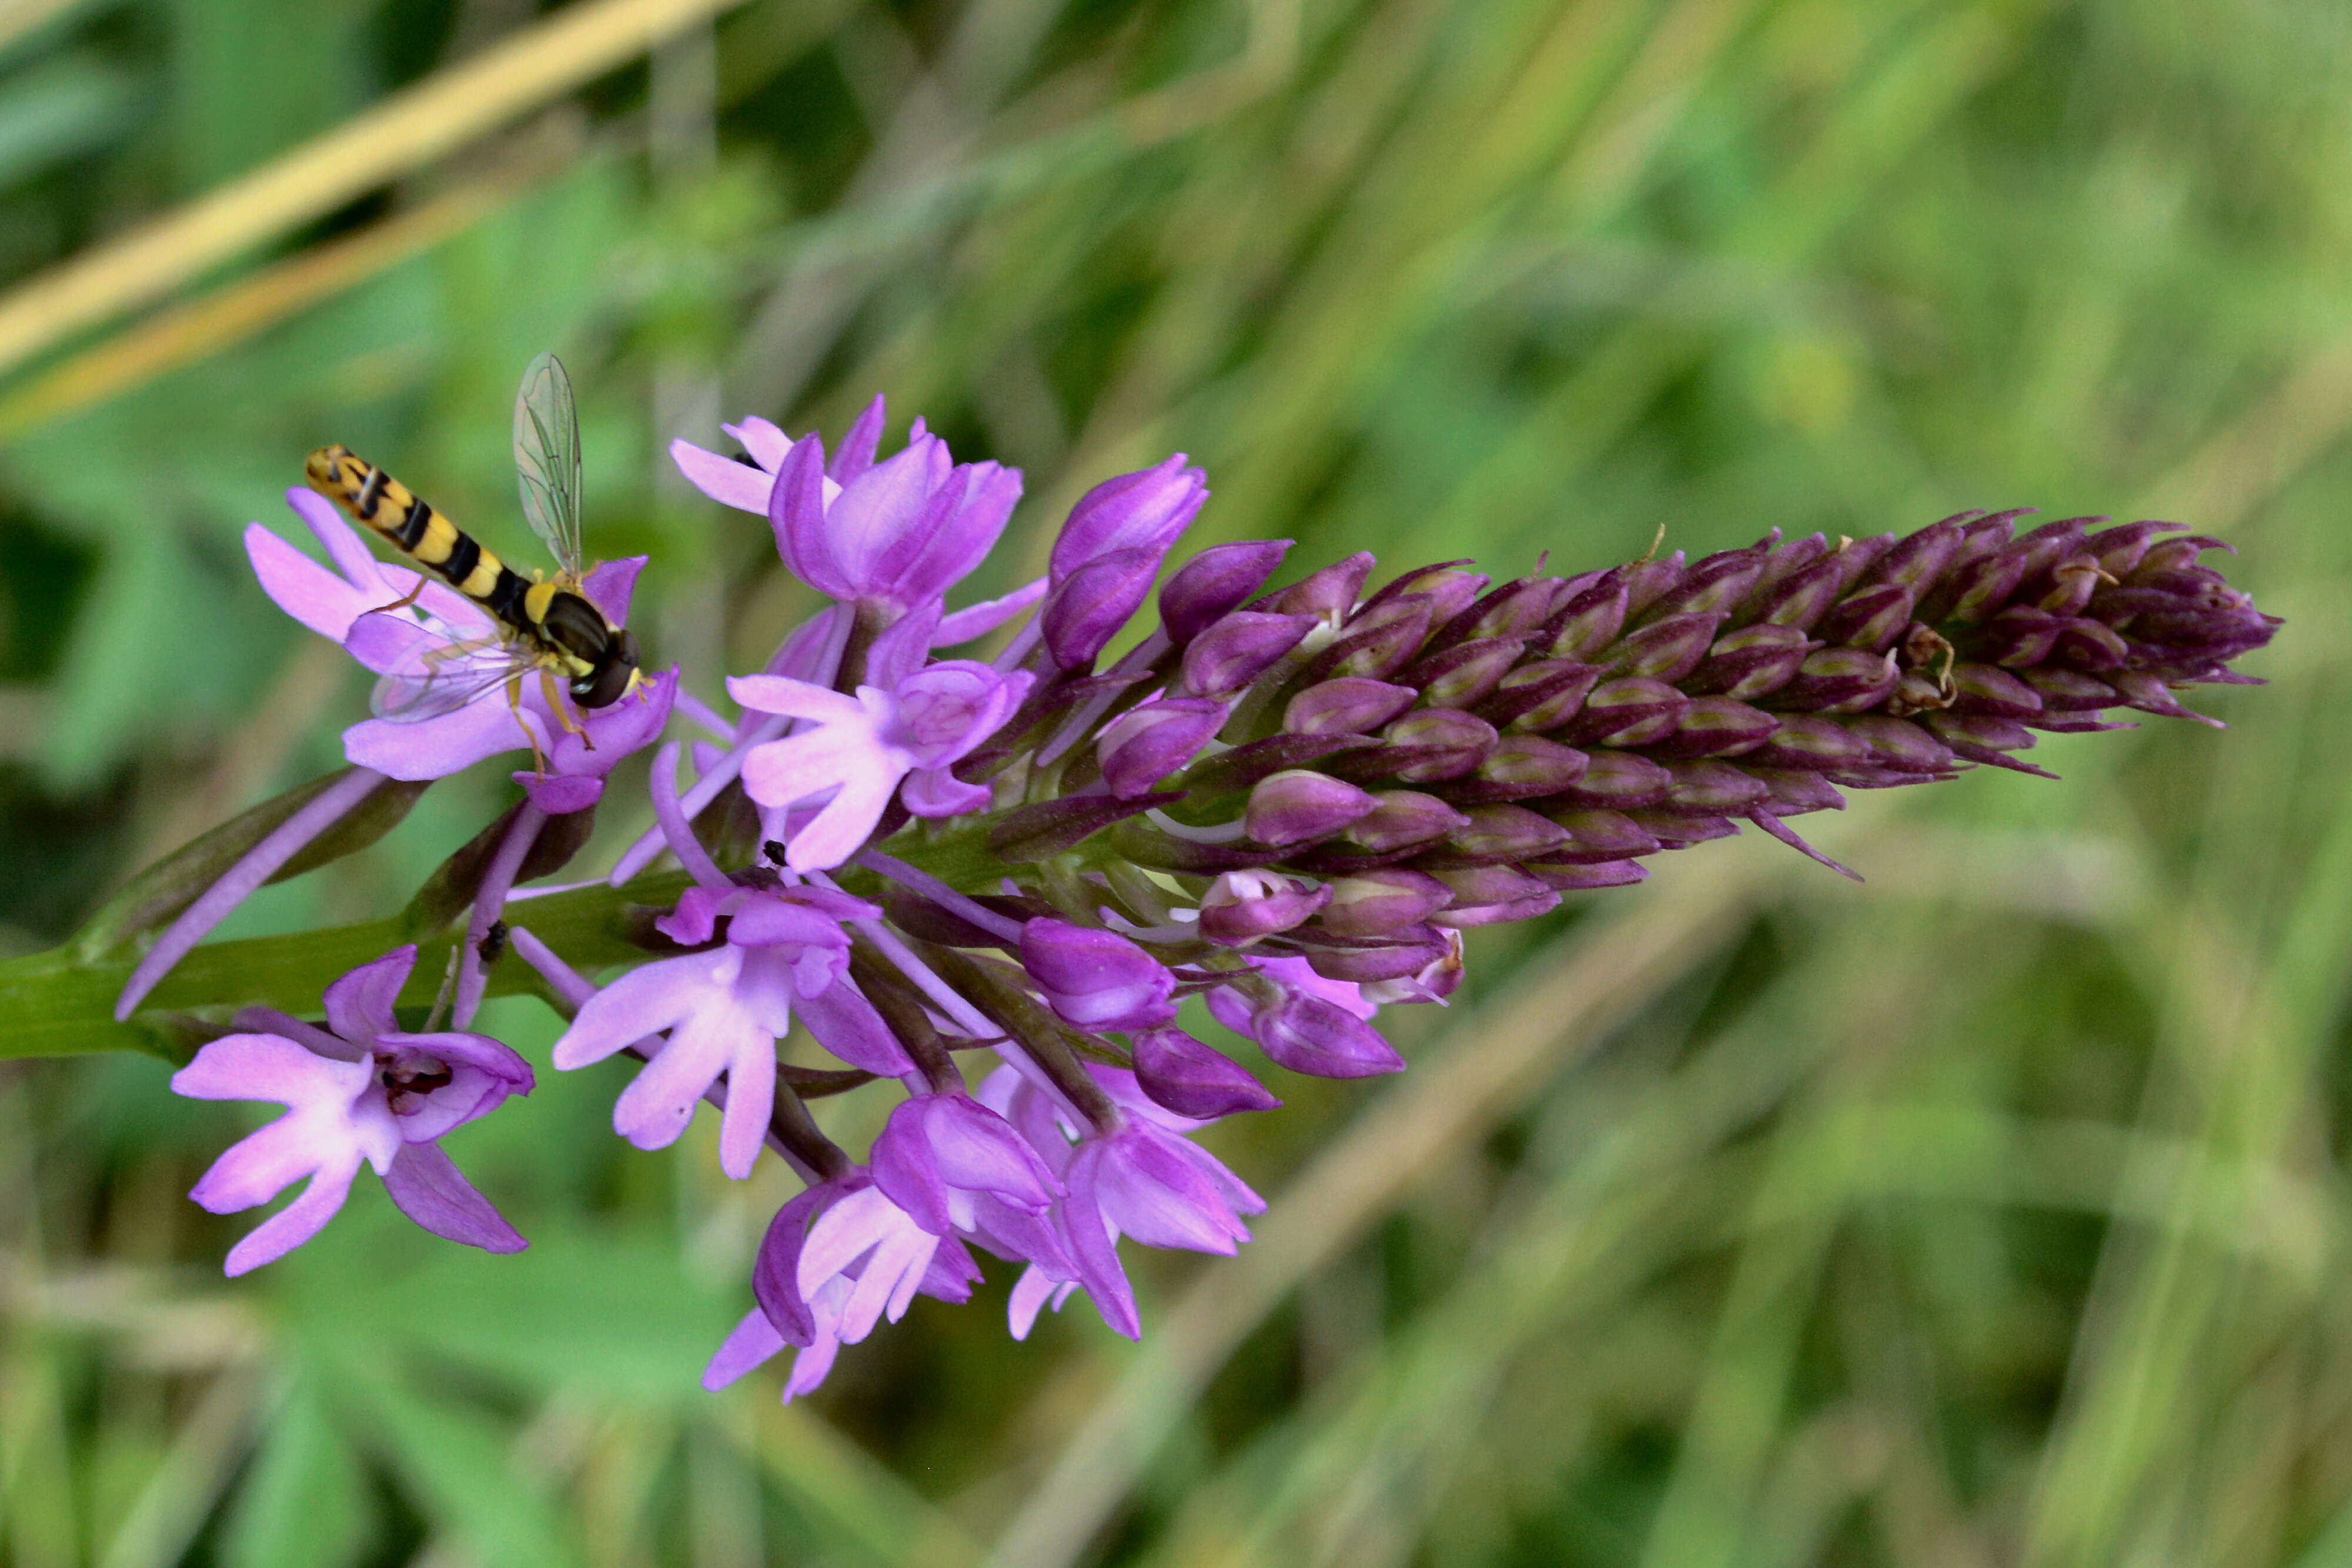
(1992, 1212)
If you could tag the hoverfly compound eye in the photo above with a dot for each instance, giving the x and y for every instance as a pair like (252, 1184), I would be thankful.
(609, 681)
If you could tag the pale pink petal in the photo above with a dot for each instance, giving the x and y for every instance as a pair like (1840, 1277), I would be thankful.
(649, 998)
(303, 588)
(294, 1224)
(724, 480)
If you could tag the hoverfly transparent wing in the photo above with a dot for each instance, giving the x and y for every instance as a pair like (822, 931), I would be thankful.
(547, 460)
(443, 678)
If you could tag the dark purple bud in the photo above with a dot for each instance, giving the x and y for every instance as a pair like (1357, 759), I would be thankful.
(1802, 598)
(1803, 740)
(2070, 691)
(1096, 979)
(1679, 829)
(1901, 746)
(1716, 726)
(1348, 705)
(1489, 895)
(2019, 636)
(1915, 562)
(1712, 787)
(1590, 621)
(1982, 738)
(1582, 878)
(1244, 906)
(1145, 510)
(1400, 819)
(2089, 645)
(1716, 582)
(1085, 610)
(1321, 1039)
(1329, 594)
(1223, 660)
(1458, 676)
(1147, 743)
(1648, 581)
(1540, 696)
(1371, 960)
(1595, 838)
(1795, 792)
(1520, 766)
(1425, 744)
(1376, 903)
(1187, 1077)
(1868, 618)
(1666, 650)
(2148, 692)
(1839, 680)
(1245, 764)
(1778, 567)
(1975, 591)
(1981, 688)
(1616, 781)
(1495, 835)
(1215, 583)
(1451, 593)
(1376, 642)
(1514, 609)
(1749, 663)
(1299, 807)
(2065, 588)
(1631, 712)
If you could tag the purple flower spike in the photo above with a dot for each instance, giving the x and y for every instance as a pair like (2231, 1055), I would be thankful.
(954, 1165)
(1224, 659)
(1096, 979)
(1298, 806)
(1191, 1079)
(1215, 583)
(863, 745)
(725, 1008)
(1149, 742)
(1375, 902)
(1086, 609)
(1318, 1027)
(364, 1093)
(1147, 511)
(1243, 905)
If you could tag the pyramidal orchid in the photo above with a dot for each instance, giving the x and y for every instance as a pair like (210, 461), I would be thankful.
(1080, 899)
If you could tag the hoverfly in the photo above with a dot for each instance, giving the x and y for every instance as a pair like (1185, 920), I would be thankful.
(549, 627)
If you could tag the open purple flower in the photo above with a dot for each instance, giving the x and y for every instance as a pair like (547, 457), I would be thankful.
(836, 1262)
(896, 535)
(359, 1092)
(913, 723)
(958, 1166)
(724, 1009)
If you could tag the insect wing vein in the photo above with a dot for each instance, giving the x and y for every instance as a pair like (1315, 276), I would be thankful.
(547, 460)
(441, 680)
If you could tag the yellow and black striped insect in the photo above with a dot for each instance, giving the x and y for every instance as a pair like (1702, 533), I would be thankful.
(547, 626)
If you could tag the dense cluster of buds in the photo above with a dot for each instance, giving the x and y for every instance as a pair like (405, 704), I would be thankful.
(1287, 801)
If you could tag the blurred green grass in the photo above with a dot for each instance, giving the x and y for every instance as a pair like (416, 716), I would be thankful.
(1993, 1212)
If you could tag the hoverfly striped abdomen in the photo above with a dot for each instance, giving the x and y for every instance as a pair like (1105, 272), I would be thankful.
(568, 635)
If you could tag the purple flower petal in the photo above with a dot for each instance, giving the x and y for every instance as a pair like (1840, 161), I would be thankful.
(359, 1005)
(303, 588)
(724, 480)
(611, 585)
(750, 1343)
(430, 1189)
(296, 1223)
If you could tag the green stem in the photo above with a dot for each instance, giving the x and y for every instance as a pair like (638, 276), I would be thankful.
(52, 1006)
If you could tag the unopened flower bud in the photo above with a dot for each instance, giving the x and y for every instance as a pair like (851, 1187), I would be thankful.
(1425, 744)
(1597, 836)
(1869, 618)
(1191, 1079)
(1982, 738)
(1489, 895)
(1215, 583)
(1145, 510)
(1839, 680)
(1319, 1038)
(1086, 609)
(1297, 807)
(1513, 610)
(1749, 663)
(1648, 581)
(1370, 960)
(1244, 906)
(1458, 676)
(1631, 712)
(1223, 660)
(1540, 696)
(1348, 705)
(1716, 582)
(1802, 598)
(1982, 689)
(1713, 787)
(1376, 903)
(1522, 766)
(1582, 878)
(1901, 747)
(1149, 742)
(1329, 594)
(1096, 979)
(1805, 740)
(1716, 726)
(1666, 650)
(1590, 621)
(1402, 818)
(1494, 835)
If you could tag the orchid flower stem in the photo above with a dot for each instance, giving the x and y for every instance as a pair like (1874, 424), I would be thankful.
(940, 893)
(1039, 1035)
(489, 904)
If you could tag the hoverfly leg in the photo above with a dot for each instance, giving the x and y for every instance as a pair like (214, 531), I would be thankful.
(553, 692)
(404, 600)
(514, 702)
